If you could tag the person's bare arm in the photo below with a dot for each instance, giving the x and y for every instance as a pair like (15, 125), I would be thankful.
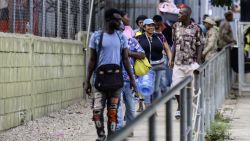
(169, 54)
(91, 66)
(127, 65)
(136, 55)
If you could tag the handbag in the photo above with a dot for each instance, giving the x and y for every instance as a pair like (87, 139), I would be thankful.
(142, 66)
(108, 76)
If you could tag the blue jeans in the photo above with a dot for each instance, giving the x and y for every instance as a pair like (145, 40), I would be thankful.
(128, 98)
(157, 90)
(166, 79)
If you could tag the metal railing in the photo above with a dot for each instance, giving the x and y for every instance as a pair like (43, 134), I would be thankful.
(149, 113)
(212, 83)
(244, 84)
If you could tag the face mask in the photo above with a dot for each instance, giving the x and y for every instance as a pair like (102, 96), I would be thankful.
(114, 25)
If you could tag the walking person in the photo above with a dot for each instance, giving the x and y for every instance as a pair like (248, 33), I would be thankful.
(202, 25)
(164, 28)
(139, 22)
(153, 45)
(139, 31)
(187, 43)
(108, 50)
(166, 31)
(225, 31)
(211, 39)
(135, 51)
(127, 31)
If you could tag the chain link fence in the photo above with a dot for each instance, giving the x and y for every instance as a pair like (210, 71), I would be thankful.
(50, 18)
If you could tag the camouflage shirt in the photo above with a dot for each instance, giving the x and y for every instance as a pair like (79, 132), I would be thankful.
(210, 43)
(187, 39)
(225, 34)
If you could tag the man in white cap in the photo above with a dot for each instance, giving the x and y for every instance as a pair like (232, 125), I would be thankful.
(211, 39)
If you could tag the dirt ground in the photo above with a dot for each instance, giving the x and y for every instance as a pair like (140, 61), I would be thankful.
(66, 125)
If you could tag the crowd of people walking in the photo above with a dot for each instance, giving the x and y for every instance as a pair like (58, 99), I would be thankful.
(173, 52)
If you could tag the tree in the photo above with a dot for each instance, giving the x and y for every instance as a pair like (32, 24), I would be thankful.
(222, 3)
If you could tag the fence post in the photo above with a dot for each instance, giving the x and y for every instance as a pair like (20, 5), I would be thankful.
(189, 111)
(199, 86)
(69, 6)
(90, 20)
(169, 125)
(152, 128)
(30, 30)
(14, 17)
(44, 12)
(58, 18)
(183, 108)
(81, 15)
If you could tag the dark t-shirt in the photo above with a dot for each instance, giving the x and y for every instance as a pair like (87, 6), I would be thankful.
(156, 46)
(167, 32)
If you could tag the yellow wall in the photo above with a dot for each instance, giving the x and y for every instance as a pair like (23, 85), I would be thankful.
(37, 76)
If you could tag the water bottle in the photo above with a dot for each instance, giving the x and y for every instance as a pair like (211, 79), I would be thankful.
(146, 83)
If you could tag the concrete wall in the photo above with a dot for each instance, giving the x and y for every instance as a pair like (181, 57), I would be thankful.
(37, 76)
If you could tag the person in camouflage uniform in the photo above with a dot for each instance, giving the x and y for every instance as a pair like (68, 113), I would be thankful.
(225, 32)
(211, 39)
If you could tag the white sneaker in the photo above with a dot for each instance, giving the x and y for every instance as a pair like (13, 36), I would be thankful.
(178, 115)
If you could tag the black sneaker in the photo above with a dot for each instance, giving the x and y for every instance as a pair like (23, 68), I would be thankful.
(102, 138)
(131, 135)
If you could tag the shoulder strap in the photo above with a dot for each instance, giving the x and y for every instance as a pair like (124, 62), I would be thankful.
(159, 37)
(99, 46)
(121, 47)
(100, 42)
(150, 47)
(120, 40)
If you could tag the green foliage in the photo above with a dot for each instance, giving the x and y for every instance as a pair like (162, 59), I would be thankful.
(220, 117)
(222, 3)
(219, 129)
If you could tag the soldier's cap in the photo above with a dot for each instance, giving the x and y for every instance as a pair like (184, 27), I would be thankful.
(217, 18)
(228, 13)
(209, 20)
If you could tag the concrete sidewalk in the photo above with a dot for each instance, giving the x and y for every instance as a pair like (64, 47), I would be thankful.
(141, 131)
(239, 111)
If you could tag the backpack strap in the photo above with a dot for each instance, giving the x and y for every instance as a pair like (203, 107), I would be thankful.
(121, 47)
(99, 46)
(121, 41)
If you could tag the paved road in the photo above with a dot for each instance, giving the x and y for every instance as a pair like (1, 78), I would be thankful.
(74, 124)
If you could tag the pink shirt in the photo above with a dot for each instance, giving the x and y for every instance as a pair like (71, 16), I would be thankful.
(128, 32)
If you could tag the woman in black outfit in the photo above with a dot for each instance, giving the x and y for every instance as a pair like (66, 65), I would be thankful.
(154, 45)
